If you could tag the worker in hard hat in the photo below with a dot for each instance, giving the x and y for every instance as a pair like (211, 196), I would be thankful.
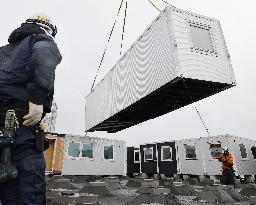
(27, 73)
(227, 167)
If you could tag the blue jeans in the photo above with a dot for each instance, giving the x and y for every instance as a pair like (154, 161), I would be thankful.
(29, 188)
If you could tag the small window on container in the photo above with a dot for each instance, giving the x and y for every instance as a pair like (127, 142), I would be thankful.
(201, 37)
(253, 149)
(215, 150)
(108, 152)
(87, 150)
(74, 149)
(190, 152)
(243, 151)
(136, 156)
(166, 153)
(148, 153)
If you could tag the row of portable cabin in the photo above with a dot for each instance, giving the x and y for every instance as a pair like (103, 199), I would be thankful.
(192, 156)
(85, 155)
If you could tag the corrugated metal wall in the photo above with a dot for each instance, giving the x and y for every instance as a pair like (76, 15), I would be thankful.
(97, 165)
(146, 66)
(163, 53)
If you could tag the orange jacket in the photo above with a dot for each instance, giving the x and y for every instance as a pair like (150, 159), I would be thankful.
(227, 161)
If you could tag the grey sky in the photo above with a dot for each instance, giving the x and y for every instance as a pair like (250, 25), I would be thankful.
(84, 26)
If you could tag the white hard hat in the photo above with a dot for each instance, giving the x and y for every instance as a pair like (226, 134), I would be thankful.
(44, 22)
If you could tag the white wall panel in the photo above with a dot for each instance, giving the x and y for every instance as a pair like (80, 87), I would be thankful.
(201, 65)
(97, 165)
(148, 65)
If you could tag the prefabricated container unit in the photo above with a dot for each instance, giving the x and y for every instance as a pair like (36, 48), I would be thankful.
(54, 154)
(85, 155)
(133, 161)
(148, 154)
(179, 59)
(200, 156)
(166, 160)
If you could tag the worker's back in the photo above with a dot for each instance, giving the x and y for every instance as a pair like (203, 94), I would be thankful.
(28, 49)
(227, 161)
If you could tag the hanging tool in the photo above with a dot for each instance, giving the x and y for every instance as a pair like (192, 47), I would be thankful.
(7, 170)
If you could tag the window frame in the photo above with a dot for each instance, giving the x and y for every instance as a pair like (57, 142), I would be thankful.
(170, 149)
(110, 145)
(82, 146)
(253, 146)
(136, 151)
(198, 50)
(243, 158)
(146, 160)
(211, 157)
(73, 157)
(186, 146)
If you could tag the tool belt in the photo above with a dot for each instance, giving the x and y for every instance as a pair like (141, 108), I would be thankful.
(21, 109)
(7, 170)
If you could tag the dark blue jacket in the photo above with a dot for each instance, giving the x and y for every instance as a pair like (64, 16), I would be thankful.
(27, 67)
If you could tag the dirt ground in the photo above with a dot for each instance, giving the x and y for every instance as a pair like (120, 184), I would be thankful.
(78, 190)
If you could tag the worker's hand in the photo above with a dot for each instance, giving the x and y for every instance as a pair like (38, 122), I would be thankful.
(34, 116)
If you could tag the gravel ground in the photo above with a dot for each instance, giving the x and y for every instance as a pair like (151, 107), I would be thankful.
(123, 191)
(101, 191)
(182, 190)
(133, 183)
(118, 191)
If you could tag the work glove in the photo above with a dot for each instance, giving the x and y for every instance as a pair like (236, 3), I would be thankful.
(34, 116)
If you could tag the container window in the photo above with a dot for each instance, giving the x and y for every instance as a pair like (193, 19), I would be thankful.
(201, 37)
(243, 151)
(148, 153)
(190, 152)
(108, 152)
(215, 150)
(87, 150)
(253, 149)
(136, 156)
(74, 149)
(166, 153)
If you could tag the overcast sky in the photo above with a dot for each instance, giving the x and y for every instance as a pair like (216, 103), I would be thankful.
(84, 26)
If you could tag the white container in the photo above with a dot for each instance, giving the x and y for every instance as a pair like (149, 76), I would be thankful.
(204, 163)
(179, 56)
(84, 155)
